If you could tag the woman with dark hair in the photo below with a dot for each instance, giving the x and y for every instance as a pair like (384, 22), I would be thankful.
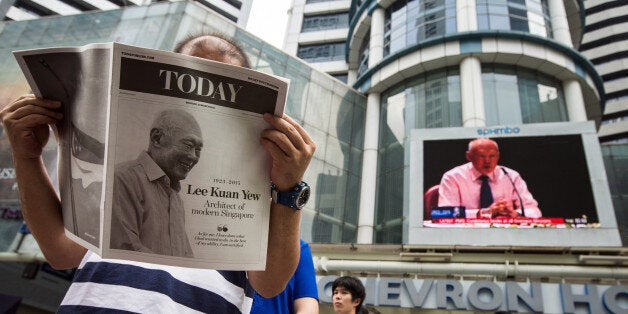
(348, 295)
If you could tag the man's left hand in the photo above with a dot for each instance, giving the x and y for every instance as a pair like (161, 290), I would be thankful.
(291, 149)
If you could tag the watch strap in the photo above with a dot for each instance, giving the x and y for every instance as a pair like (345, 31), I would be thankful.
(294, 198)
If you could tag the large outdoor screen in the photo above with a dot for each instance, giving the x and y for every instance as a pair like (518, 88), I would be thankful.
(554, 169)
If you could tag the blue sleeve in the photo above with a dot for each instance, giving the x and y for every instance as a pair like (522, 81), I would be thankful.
(304, 276)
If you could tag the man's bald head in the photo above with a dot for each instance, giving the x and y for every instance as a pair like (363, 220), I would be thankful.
(483, 153)
(213, 47)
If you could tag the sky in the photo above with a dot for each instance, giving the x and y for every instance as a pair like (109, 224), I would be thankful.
(268, 20)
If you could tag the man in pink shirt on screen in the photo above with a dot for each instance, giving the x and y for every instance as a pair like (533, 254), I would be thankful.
(485, 189)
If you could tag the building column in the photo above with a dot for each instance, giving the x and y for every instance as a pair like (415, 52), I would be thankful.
(366, 217)
(560, 24)
(472, 95)
(466, 16)
(293, 29)
(376, 45)
(573, 91)
(574, 100)
(352, 76)
(368, 190)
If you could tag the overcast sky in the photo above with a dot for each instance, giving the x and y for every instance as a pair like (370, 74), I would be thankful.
(268, 20)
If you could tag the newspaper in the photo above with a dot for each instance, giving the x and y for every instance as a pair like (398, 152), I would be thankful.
(159, 153)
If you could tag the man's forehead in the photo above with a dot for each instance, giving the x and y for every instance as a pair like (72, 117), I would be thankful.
(484, 145)
(486, 150)
(188, 129)
(212, 48)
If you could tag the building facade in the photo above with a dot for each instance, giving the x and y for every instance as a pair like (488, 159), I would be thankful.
(332, 112)
(447, 64)
(604, 43)
(460, 63)
(410, 65)
(317, 33)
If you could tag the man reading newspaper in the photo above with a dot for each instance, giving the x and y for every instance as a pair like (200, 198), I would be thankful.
(141, 287)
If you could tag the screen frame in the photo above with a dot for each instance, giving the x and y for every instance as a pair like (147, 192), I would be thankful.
(414, 233)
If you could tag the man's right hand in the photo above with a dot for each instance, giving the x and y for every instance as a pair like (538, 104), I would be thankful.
(26, 122)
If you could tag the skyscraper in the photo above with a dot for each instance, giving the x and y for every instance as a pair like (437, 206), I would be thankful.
(604, 43)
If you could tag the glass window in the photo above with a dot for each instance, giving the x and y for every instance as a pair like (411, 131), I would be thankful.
(529, 16)
(515, 95)
(322, 52)
(364, 54)
(616, 164)
(323, 22)
(341, 77)
(410, 22)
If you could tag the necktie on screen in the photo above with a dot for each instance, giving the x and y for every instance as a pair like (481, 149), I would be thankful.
(486, 196)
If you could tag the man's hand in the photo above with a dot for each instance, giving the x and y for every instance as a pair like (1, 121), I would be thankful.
(503, 208)
(26, 122)
(291, 149)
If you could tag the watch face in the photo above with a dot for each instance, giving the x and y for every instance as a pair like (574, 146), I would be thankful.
(304, 196)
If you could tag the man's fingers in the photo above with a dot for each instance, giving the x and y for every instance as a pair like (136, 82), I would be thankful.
(30, 99)
(280, 141)
(32, 109)
(35, 120)
(29, 104)
(294, 132)
(304, 135)
(275, 152)
(291, 149)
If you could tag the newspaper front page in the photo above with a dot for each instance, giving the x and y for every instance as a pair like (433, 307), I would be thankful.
(160, 159)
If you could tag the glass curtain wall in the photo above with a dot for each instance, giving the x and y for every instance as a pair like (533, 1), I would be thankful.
(427, 101)
(516, 95)
(364, 51)
(528, 16)
(410, 22)
(616, 164)
(322, 52)
(511, 96)
(323, 22)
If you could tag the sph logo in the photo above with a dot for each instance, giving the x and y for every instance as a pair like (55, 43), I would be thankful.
(498, 131)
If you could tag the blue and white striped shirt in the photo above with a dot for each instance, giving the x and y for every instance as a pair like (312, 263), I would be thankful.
(107, 285)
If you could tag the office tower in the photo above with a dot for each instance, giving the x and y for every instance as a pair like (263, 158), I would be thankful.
(236, 11)
(604, 43)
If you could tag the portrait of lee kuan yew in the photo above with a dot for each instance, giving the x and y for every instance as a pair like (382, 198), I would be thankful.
(148, 214)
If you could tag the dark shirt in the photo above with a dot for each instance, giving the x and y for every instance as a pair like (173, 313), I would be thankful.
(147, 214)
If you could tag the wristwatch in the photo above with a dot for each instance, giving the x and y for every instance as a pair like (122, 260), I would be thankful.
(295, 198)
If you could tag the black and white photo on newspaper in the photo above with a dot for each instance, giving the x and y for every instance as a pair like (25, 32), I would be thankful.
(78, 78)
